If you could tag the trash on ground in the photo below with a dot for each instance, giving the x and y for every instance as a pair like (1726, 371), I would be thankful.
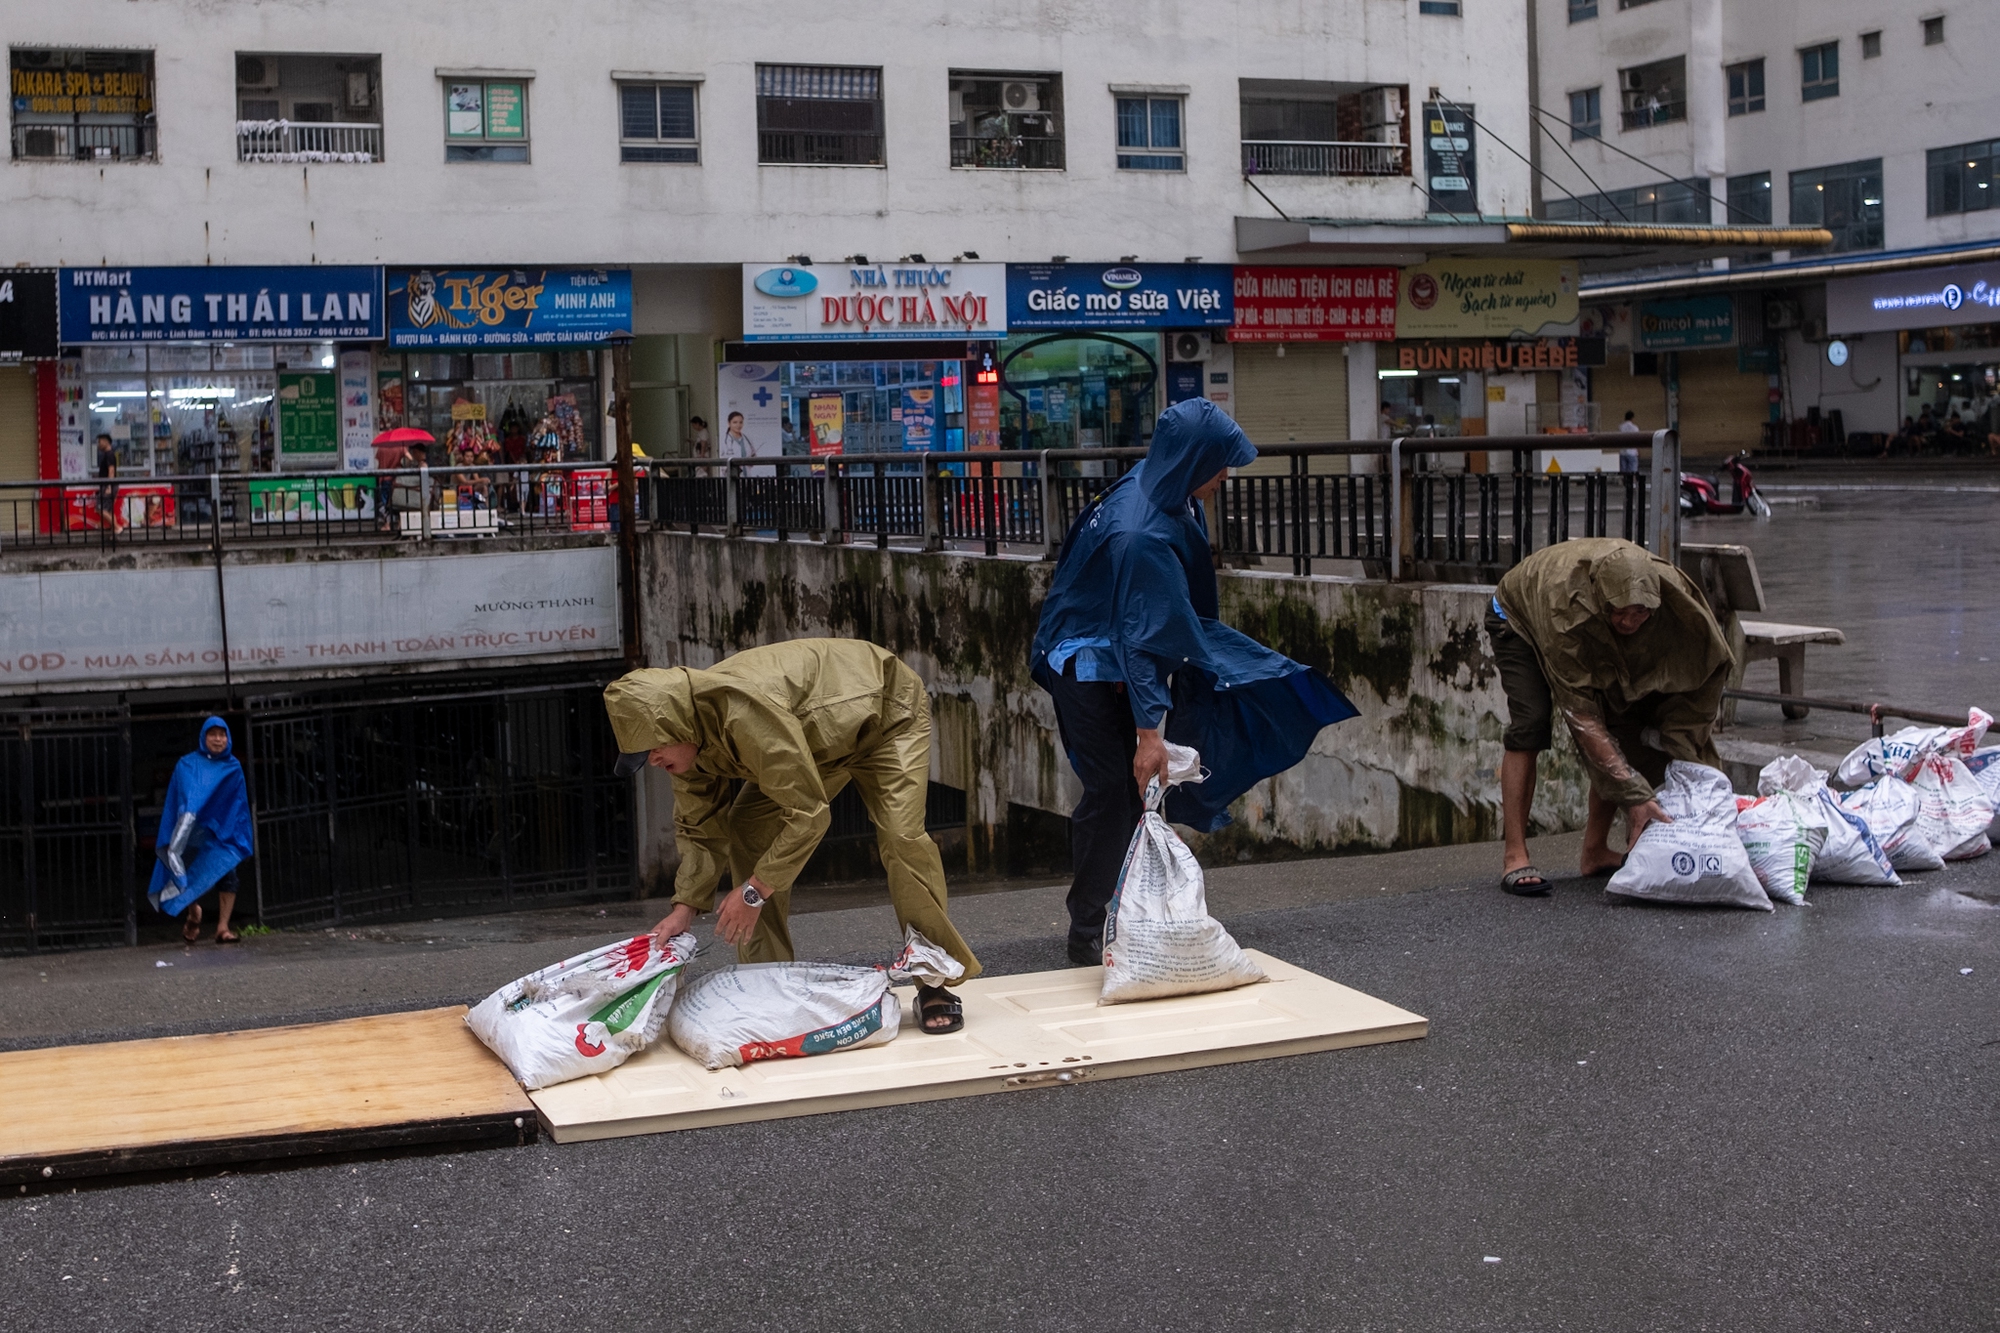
(1158, 936)
(767, 1011)
(1698, 858)
(584, 1015)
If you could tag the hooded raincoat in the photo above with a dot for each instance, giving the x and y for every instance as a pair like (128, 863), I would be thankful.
(209, 788)
(1611, 688)
(1134, 600)
(793, 723)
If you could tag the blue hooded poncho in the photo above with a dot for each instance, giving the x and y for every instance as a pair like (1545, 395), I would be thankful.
(211, 788)
(1134, 600)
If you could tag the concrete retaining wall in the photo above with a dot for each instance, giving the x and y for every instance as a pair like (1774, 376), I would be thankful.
(1417, 768)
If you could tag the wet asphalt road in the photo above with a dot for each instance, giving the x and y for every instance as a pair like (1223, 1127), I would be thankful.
(1652, 1118)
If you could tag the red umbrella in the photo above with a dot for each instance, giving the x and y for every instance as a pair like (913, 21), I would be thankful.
(404, 435)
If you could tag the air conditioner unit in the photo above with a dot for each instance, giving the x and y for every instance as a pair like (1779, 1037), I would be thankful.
(1631, 82)
(359, 95)
(1382, 106)
(1021, 96)
(1190, 347)
(256, 74)
(1382, 134)
(1780, 313)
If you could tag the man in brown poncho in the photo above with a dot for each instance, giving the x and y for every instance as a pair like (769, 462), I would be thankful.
(758, 745)
(1624, 647)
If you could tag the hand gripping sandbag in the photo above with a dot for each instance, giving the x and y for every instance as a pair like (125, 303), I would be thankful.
(1697, 858)
(1849, 854)
(770, 1011)
(585, 1015)
(1158, 936)
(1894, 813)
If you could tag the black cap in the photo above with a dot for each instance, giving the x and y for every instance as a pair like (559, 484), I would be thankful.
(630, 762)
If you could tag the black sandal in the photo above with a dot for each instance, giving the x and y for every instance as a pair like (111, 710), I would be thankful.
(937, 1002)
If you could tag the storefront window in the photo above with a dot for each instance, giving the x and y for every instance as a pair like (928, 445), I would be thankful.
(1419, 404)
(1082, 392)
(190, 410)
(885, 406)
(511, 407)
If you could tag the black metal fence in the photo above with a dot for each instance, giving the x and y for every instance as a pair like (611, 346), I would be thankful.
(321, 508)
(1331, 502)
(68, 859)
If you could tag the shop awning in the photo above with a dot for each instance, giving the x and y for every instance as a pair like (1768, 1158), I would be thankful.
(1596, 246)
(1816, 269)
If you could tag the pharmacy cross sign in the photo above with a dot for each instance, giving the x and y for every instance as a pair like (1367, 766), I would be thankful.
(762, 397)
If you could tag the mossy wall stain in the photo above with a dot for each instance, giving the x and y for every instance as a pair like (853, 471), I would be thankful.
(1464, 648)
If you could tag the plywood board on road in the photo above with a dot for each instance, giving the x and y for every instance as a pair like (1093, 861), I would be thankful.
(74, 1112)
(1035, 1030)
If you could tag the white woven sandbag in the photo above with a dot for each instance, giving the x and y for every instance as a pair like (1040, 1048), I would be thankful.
(1782, 833)
(771, 1011)
(585, 1015)
(1956, 811)
(1849, 854)
(1985, 766)
(1894, 813)
(1159, 939)
(1899, 754)
(1698, 857)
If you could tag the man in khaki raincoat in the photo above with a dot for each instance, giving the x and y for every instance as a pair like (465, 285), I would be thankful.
(1625, 648)
(795, 722)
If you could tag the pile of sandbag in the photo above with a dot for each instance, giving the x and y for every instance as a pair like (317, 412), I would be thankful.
(585, 1015)
(1948, 807)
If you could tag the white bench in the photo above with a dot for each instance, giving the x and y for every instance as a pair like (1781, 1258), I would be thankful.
(1767, 639)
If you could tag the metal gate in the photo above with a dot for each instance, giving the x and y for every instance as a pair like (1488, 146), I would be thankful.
(440, 806)
(67, 851)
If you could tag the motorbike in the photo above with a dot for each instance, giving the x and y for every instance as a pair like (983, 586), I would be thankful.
(1703, 495)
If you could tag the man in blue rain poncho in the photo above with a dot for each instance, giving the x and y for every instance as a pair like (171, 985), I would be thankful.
(204, 835)
(1131, 651)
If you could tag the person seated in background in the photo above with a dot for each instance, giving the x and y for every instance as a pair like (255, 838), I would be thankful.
(1905, 438)
(1951, 435)
(1624, 646)
(759, 745)
(204, 835)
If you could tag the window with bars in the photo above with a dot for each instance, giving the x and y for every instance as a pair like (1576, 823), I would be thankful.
(1586, 114)
(1654, 93)
(1750, 199)
(1011, 121)
(1964, 178)
(819, 115)
(1819, 72)
(656, 123)
(1846, 200)
(1579, 10)
(1934, 31)
(1149, 134)
(1746, 87)
(1871, 45)
(82, 106)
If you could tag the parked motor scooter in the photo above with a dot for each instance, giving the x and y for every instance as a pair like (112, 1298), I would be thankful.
(1703, 495)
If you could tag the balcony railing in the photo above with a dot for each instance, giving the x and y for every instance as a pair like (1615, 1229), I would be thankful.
(322, 508)
(1298, 157)
(1654, 113)
(1018, 152)
(1386, 517)
(298, 141)
(83, 143)
(812, 148)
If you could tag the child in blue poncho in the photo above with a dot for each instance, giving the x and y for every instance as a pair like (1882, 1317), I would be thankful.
(205, 833)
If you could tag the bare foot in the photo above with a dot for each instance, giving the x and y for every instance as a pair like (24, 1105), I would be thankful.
(191, 924)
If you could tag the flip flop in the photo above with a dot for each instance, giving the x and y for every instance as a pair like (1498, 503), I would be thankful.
(937, 1002)
(191, 924)
(1525, 882)
(231, 938)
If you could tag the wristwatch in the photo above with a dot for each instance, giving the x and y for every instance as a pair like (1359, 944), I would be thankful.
(752, 898)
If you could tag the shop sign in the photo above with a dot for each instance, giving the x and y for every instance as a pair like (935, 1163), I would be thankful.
(1486, 298)
(752, 411)
(357, 410)
(1496, 355)
(157, 305)
(311, 500)
(982, 414)
(1118, 296)
(508, 307)
(308, 412)
(802, 303)
(1451, 159)
(919, 417)
(826, 415)
(1694, 321)
(1305, 304)
(28, 315)
(1917, 299)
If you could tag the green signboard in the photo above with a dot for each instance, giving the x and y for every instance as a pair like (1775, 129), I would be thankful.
(310, 499)
(505, 111)
(309, 412)
(1693, 321)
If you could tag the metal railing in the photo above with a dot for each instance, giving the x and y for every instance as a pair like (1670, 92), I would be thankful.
(1658, 113)
(1014, 151)
(1374, 508)
(422, 504)
(83, 143)
(319, 141)
(1300, 157)
(815, 148)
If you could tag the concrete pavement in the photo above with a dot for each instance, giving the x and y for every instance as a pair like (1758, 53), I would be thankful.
(1650, 1117)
